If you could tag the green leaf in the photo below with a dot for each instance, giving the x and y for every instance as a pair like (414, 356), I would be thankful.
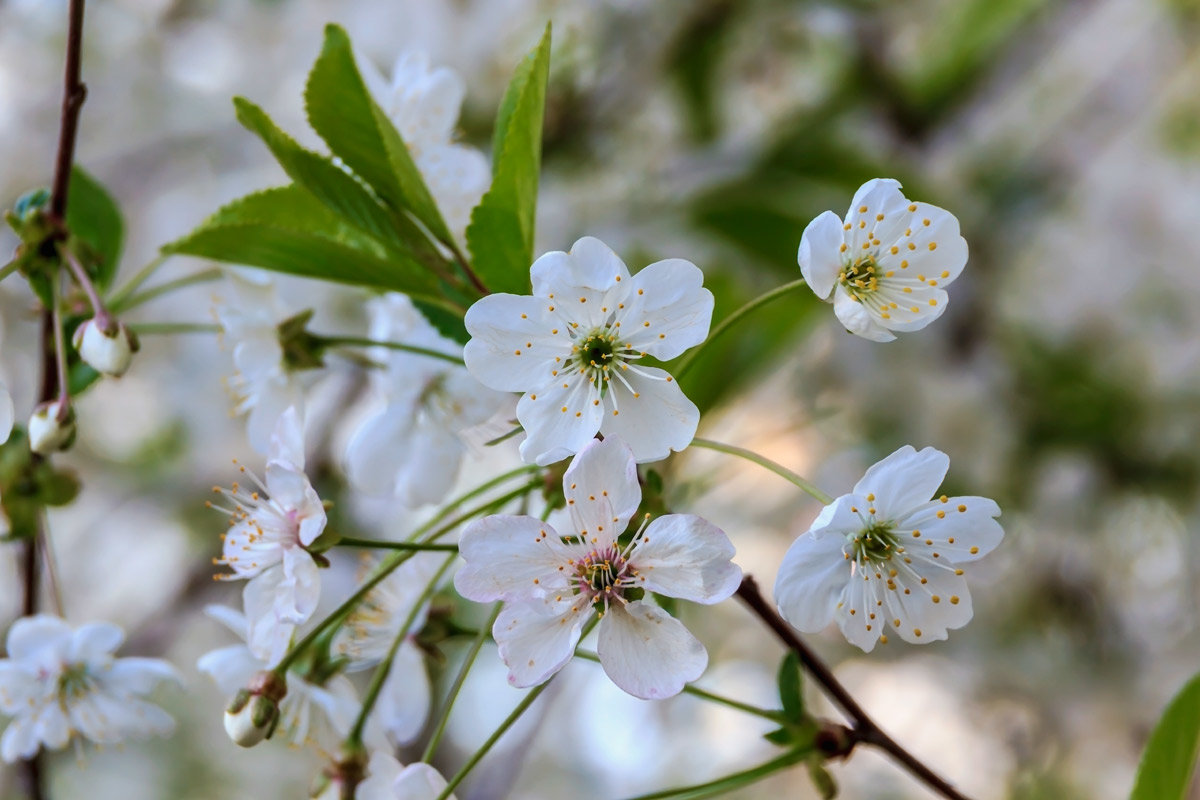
(790, 687)
(1170, 757)
(93, 217)
(500, 236)
(288, 230)
(822, 780)
(341, 110)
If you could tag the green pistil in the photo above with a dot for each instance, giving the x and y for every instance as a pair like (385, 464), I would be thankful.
(874, 544)
(596, 354)
(74, 681)
(860, 277)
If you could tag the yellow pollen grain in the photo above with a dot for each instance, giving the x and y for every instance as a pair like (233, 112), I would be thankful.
(862, 210)
(932, 302)
(524, 317)
(903, 265)
(950, 540)
(933, 245)
(533, 397)
(912, 207)
(943, 499)
(941, 515)
(842, 249)
(953, 599)
(917, 632)
(974, 550)
(925, 222)
(914, 309)
(847, 226)
(883, 638)
(516, 352)
(564, 409)
(861, 225)
(945, 274)
(962, 507)
(895, 250)
(896, 623)
(889, 273)
(912, 246)
(958, 572)
(936, 599)
(641, 291)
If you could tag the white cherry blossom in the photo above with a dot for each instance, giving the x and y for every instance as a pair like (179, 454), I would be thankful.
(423, 103)
(367, 637)
(270, 527)
(60, 682)
(413, 447)
(573, 347)
(551, 585)
(388, 779)
(308, 713)
(886, 265)
(888, 555)
(262, 384)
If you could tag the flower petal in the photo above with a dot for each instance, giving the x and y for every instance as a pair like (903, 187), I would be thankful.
(404, 699)
(857, 318)
(903, 481)
(419, 782)
(31, 637)
(647, 652)
(19, 687)
(378, 448)
(811, 580)
(928, 601)
(431, 467)
(95, 641)
(536, 639)
(287, 440)
(961, 529)
(290, 490)
(20, 740)
(140, 675)
(820, 255)
(653, 415)
(602, 490)
(860, 612)
(685, 556)
(668, 310)
(231, 668)
(510, 557)
(7, 413)
(515, 340)
(559, 420)
(879, 212)
(589, 270)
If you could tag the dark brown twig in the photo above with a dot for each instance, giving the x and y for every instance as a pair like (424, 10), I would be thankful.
(864, 730)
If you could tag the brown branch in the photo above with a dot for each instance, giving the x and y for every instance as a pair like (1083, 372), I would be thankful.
(864, 730)
(74, 93)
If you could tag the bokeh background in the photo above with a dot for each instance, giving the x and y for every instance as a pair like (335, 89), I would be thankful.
(1062, 380)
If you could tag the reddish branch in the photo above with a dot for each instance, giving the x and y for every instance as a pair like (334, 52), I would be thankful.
(864, 728)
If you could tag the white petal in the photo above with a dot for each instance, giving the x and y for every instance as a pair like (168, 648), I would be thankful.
(20, 740)
(7, 413)
(377, 451)
(287, 440)
(510, 557)
(19, 685)
(857, 318)
(231, 668)
(95, 641)
(674, 303)
(512, 346)
(860, 612)
(558, 420)
(536, 639)
(811, 580)
(945, 261)
(655, 418)
(602, 490)
(231, 618)
(923, 618)
(140, 675)
(820, 255)
(432, 466)
(419, 782)
(271, 398)
(31, 637)
(685, 556)
(405, 697)
(904, 480)
(53, 727)
(647, 652)
(973, 529)
(382, 771)
(590, 266)
(278, 600)
(290, 489)
(880, 197)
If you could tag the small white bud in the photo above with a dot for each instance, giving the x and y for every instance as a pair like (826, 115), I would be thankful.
(47, 433)
(105, 345)
(254, 712)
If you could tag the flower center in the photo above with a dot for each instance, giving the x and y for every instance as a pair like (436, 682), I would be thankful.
(859, 277)
(597, 352)
(873, 544)
(74, 682)
(603, 575)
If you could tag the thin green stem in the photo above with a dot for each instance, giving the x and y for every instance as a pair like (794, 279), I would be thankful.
(85, 283)
(126, 302)
(354, 739)
(732, 320)
(766, 463)
(168, 328)
(60, 360)
(729, 782)
(359, 341)
(695, 691)
(349, 541)
(9, 269)
(504, 437)
(456, 687)
(118, 296)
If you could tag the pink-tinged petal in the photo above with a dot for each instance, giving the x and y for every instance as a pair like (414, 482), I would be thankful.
(536, 639)
(141, 675)
(820, 255)
(515, 340)
(811, 581)
(19, 685)
(287, 440)
(431, 467)
(652, 415)
(903, 481)
(290, 490)
(20, 740)
(378, 448)
(602, 490)
(685, 556)
(647, 652)
(856, 318)
(860, 613)
(419, 782)
(510, 557)
(30, 638)
(231, 668)
(559, 420)
(879, 212)
(404, 701)
(959, 530)
(95, 641)
(589, 270)
(668, 309)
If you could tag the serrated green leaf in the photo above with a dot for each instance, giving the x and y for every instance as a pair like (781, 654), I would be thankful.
(343, 113)
(790, 687)
(93, 217)
(1170, 756)
(500, 236)
(288, 230)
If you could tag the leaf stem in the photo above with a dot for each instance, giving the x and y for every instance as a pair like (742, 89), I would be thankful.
(89, 288)
(158, 328)
(349, 541)
(142, 275)
(732, 320)
(360, 341)
(60, 360)
(459, 679)
(9, 269)
(766, 463)
(729, 782)
(126, 302)
(865, 729)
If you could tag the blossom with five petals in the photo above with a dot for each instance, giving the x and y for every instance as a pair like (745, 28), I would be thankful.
(59, 682)
(886, 264)
(886, 554)
(269, 530)
(551, 585)
(573, 347)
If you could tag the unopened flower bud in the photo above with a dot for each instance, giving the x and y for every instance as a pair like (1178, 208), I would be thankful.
(105, 345)
(340, 779)
(254, 712)
(49, 430)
